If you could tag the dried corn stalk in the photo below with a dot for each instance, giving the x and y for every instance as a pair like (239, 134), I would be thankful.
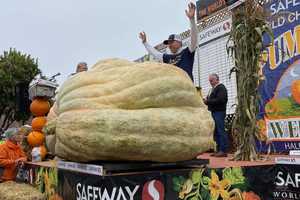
(246, 39)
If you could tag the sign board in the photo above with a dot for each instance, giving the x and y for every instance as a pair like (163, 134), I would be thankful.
(288, 160)
(287, 182)
(208, 7)
(215, 31)
(139, 186)
(81, 167)
(251, 182)
(234, 3)
(279, 117)
(278, 182)
(294, 153)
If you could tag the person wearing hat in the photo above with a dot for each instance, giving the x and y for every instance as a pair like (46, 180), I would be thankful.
(177, 55)
(11, 154)
(81, 67)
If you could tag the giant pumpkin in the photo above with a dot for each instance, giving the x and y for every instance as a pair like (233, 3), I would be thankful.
(52, 112)
(50, 129)
(120, 110)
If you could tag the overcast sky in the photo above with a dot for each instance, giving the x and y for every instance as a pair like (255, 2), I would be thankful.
(61, 33)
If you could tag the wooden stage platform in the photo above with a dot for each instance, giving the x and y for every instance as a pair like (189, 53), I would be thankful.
(215, 162)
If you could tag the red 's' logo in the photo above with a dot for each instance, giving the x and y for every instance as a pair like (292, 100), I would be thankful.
(226, 26)
(153, 190)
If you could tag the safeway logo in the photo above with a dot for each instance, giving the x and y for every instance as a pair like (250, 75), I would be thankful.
(226, 26)
(153, 190)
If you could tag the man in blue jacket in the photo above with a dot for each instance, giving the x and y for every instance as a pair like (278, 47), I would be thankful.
(177, 55)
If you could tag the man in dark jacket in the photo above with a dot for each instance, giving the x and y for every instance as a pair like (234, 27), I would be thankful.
(216, 101)
(182, 57)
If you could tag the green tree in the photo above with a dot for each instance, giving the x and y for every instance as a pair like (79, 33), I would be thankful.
(16, 69)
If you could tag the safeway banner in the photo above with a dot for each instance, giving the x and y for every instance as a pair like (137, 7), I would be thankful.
(216, 31)
(202, 183)
(279, 118)
(287, 182)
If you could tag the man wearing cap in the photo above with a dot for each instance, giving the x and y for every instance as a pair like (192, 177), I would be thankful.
(11, 155)
(81, 67)
(177, 55)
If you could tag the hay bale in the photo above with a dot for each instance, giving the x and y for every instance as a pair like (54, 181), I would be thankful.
(19, 191)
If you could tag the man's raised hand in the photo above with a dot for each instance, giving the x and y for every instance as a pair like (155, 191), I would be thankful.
(143, 37)
(190, 13)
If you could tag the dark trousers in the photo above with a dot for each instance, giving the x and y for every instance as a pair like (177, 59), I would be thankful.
(220, 136)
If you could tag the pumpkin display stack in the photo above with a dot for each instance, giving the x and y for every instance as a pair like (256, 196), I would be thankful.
(36, 138)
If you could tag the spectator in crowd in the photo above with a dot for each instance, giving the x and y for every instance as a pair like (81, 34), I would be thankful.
(81, 67)
(177, 55)
(216, 101)
(11, 155)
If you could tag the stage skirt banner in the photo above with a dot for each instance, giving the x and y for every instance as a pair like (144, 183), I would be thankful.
(249, 183)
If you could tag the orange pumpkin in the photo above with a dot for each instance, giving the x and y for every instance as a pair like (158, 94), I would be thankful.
(295, 89)
(38, 123)
(43, 151)
(39, 107)
(35, 138)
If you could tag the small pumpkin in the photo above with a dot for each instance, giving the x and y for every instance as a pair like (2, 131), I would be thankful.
(43, 152)
(295, 89)
(35, 138)
(38, 123)
(39, 107)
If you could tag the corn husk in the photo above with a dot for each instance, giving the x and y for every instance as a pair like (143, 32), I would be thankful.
(246, 45)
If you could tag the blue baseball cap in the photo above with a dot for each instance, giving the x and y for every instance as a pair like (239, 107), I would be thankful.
(172, 37)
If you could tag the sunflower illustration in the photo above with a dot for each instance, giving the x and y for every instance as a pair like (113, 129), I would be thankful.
(218, 188)
(186, 188)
